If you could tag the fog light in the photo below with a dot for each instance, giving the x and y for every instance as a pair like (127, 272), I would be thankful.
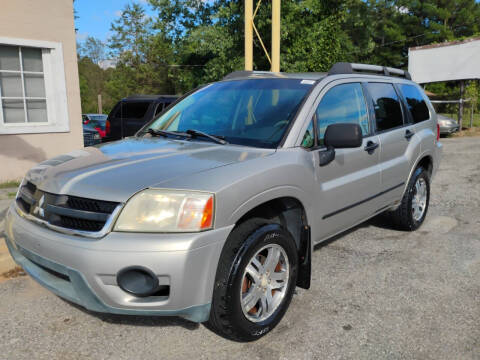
(138, 281)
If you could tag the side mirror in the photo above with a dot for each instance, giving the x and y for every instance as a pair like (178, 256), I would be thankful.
(340, 136)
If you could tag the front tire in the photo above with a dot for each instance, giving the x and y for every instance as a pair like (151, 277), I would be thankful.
(255, 280)
(412, 211)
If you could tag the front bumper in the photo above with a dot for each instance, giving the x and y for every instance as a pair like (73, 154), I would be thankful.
(448, 129)
(84, 271)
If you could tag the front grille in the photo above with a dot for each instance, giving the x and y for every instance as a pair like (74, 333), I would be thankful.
(89, 139)
(78, 203)
(69, 212)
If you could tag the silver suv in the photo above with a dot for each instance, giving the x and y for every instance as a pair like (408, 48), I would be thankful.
(210, 212)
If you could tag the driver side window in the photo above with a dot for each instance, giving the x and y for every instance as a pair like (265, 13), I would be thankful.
(343, 103)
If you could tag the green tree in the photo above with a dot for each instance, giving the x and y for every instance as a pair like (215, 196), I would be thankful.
(431, 21)
(129, 33)
(208, 40)
(92, 82)
(143, 55)
(92, 48)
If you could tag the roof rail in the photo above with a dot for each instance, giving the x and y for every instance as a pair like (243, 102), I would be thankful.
(242, 74)
(350, 68)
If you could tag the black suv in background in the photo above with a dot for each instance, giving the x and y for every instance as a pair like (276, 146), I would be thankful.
(131, 113)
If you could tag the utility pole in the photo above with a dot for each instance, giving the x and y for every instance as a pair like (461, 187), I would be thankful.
(276, 35)
(250, 27)
(99, 102)
(248, 35)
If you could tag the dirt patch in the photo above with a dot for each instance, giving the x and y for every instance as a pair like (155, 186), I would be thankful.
(474, 131)
(14, 273)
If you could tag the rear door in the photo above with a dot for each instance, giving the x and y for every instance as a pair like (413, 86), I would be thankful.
(115, 123)
(397, 139)
(346, 188)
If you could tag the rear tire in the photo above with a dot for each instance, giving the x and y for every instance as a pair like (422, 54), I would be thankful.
(413, 209)
(229, 316)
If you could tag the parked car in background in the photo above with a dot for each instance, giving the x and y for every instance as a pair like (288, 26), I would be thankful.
(97, 122)
(447, 125)
(90, 136)
(132, 113)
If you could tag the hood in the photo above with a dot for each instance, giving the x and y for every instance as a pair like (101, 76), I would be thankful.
(115, 171)
(445, 119)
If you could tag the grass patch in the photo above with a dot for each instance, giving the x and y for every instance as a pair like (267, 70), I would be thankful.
(9, 184)
(11, 195)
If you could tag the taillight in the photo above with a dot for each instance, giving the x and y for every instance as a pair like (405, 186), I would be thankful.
(107, 127)
(438, 132)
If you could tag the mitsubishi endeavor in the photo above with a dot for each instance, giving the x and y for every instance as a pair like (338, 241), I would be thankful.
(211, 211)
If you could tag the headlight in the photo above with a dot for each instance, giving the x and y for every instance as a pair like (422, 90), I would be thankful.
(167, 211)
(96, 136)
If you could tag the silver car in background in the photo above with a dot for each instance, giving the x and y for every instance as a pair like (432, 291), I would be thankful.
(212, 210)
(447, 125)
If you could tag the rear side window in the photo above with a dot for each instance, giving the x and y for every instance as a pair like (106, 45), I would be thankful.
(388, 113)
(132, 110)
(343, 103)
(416, 103)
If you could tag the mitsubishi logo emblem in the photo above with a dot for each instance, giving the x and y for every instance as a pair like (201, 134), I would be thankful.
(39, 211)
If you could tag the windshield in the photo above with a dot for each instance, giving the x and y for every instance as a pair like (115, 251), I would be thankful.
(254, 112)
(98, 117)
(98, 123)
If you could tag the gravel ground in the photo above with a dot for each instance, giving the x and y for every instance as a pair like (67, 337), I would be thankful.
(376, 294)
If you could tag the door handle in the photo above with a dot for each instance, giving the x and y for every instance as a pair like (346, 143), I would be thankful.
(409, 134)
(370, 147)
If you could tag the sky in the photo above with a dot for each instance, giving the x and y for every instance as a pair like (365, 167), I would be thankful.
(95, 16)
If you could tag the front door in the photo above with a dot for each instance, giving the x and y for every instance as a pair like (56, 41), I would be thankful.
(346, 188)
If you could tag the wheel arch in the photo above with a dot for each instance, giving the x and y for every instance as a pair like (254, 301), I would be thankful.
(426, 160)
(291, 213)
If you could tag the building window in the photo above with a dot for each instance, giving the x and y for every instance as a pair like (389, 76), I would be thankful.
(33, 96)
(22, 85)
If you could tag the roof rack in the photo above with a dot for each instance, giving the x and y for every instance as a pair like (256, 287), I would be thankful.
(243, 74)
(349, 68)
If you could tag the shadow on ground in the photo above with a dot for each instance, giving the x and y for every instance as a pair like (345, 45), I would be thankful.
(381, 221)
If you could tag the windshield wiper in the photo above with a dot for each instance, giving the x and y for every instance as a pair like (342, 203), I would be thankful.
(197, 133)
(166, 133)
